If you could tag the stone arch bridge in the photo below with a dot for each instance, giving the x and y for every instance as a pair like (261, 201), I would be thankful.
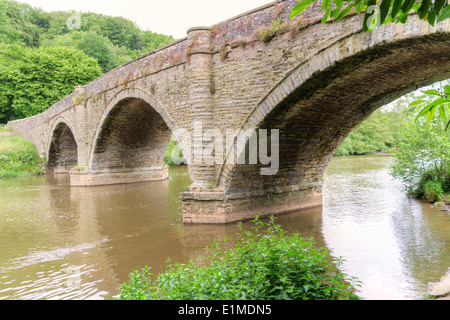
(311, 82)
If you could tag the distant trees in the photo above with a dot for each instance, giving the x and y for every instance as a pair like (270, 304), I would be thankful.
(42, 56)
(380, 132)
(422, 159)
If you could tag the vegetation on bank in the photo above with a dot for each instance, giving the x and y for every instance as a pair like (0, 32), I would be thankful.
(18, 157)
(422, 159)
(263, 264)
(5, 128)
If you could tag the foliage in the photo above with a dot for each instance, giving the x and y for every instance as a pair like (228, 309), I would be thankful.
(31, 80)
(379, 12)
(260, 265)
(173, 154)
(19, 23)
(382, 131)
(433, 191)
(18, 156)
(423, 155)
(111, 40)
(434, 100)
(5, 128)
(41, 54)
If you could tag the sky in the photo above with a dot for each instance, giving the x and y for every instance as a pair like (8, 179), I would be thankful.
(172, 17)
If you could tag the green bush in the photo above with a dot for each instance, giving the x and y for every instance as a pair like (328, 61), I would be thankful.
(433, 191)
(171, 157)
(261, 265)
(18, 157)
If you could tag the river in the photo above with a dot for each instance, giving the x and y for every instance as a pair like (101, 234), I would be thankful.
(60, 243)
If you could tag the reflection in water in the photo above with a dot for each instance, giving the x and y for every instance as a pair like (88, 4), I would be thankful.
(59, 242)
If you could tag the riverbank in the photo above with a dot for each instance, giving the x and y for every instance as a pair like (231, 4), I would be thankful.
(18, 156)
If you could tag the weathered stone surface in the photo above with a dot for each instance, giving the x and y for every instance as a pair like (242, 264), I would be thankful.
(312, 82)
(440, 288)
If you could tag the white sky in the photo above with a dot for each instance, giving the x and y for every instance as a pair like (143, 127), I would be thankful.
(172, 17)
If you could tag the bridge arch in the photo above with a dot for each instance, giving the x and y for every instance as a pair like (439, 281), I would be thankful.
(324, 98)
(131, 138)
(62, 151)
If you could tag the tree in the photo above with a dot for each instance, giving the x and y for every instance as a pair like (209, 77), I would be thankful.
(434, 100)
(382, 131)
(422, 159)
(16, 23)
(32, 80)
(379, 12)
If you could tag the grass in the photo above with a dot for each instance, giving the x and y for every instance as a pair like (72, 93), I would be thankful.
(18, 157)
(4, 128)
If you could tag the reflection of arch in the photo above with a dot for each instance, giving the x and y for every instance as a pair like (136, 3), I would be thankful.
(320, 101)
(62, 152)
(133, 132)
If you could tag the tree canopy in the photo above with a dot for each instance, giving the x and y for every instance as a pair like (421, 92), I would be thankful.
(31, 80)
(43, 55)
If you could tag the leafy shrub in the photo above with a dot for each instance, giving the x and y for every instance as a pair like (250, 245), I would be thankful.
(18, 156)
(261, 265)
(433, 191)
(171, 156)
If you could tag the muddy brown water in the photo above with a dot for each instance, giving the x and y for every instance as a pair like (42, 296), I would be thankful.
(58, 242)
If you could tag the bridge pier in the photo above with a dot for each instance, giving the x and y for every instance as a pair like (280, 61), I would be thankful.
(83, 178)
(214, 207)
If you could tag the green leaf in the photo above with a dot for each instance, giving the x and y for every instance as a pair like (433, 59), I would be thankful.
(402, 17)
(423, 111)
(442, 112)
(300, 7)
(423, 9)
(327, 14)
(407, 6)
(335, 12)
(430, 114)
(447, 90)
(445, 14)
(345, 12)
(432, 92)
(438, 6)
(431, 18)
(384, 10)
(446, 126)
(414, 103)
(396, 8)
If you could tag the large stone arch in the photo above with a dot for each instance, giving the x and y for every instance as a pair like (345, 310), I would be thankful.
(393, 60)
(316, 106)
(62, 150)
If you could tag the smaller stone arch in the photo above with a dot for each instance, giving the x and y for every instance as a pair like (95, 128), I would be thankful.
(62, 151)
(129, 142)
(124, 96)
